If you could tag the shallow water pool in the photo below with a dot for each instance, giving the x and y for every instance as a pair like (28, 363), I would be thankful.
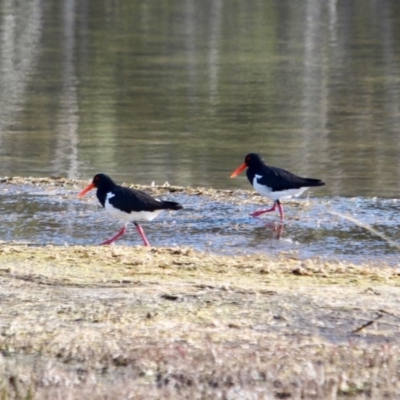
(40, 215)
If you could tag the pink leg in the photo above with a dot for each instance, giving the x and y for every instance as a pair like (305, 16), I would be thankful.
(273, 208)
(280, 208)
(141, 233)
(257, 213)
(120, 233)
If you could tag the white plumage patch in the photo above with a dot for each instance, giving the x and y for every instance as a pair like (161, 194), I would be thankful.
(278, 195)
(133, 216)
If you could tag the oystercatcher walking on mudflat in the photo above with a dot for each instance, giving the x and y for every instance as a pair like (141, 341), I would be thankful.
(274, 183)
(127, 205)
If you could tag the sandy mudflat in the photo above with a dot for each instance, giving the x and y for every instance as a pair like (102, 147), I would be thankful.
(133, 322)
(123, 322)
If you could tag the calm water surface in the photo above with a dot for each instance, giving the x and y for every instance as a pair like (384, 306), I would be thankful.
(39, 216)
(180, 91)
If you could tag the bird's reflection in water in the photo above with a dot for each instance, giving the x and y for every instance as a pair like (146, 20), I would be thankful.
(269, 231)
(276, 228)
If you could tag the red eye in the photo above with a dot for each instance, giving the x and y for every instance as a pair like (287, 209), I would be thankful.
(96, 178)
(247, 158)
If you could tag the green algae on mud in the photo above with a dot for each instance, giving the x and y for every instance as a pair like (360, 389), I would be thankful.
(178, 323)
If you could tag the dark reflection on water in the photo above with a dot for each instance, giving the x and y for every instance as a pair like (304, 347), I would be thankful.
(181, 91)
(32, 215)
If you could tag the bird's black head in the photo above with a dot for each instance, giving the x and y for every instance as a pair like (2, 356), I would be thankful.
(103, 181)
(100, 181)
(253, 160)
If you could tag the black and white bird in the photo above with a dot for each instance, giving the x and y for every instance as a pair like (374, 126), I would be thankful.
(127, 205)
(274, 183)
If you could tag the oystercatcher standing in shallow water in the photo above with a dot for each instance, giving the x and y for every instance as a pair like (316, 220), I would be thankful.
(274, 183)
(127, 205)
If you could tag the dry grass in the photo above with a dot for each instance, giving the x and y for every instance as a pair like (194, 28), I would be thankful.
(168, 323)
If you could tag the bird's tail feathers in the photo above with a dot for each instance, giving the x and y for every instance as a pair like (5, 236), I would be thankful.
(313, 182)
(172, 205)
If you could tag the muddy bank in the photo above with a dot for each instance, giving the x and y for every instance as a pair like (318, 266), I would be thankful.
(49, 183)
(175, 322)
(133, 322)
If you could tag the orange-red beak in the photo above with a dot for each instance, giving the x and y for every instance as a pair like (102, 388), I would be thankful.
(237, 171)
(87, 189)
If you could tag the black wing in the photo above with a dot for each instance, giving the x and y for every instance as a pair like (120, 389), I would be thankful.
(279, 179)
(131, 200)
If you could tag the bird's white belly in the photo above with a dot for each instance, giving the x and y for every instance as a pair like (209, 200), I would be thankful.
(133, 216)
(277, 195)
